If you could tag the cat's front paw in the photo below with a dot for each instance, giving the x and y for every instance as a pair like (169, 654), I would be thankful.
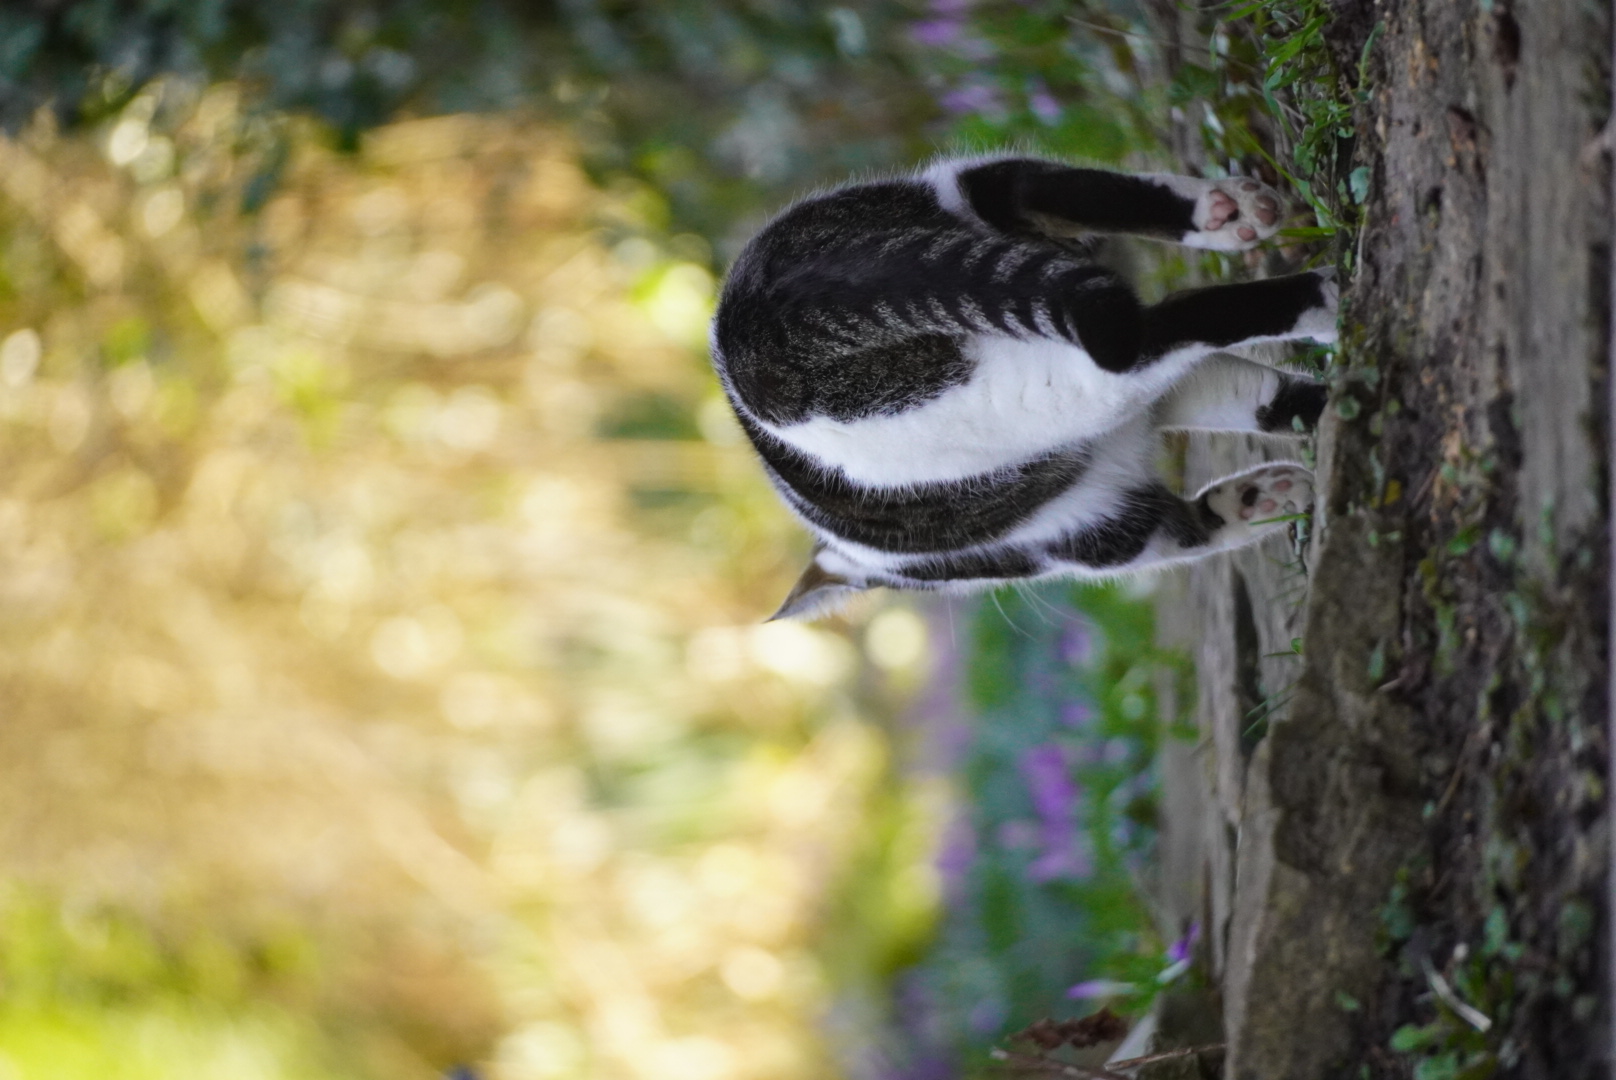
(1266, 496)
(1235, 214)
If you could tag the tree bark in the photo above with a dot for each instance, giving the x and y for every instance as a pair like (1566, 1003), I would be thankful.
(1429, 806)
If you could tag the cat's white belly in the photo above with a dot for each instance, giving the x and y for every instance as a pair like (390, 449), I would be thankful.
(1025, 398)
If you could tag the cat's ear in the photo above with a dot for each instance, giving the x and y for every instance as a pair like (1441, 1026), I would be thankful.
(816, 592)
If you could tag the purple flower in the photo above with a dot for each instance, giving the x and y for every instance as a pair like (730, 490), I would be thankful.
(986, 1017)
(973, 98)
(1064, 861)
(1049, 781)
(1098, 988)
(1077, 639)
(955, 858)
(1181, 949)
(1112, 751)
(1076, 713)
(1020, 834)
(1054, 796)
(1043, 103)
(922, 1027)
(1122, 834)
(937, 33)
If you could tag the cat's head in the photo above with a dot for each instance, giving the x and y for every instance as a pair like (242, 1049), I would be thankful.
(834, 577)
(817, 592)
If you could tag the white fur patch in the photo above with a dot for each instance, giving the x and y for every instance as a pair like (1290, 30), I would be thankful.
(1124, 461)
(1223, 393)
(943, 176)
(1025, 398)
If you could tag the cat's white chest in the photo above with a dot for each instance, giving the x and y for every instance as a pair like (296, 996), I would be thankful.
(1024, 398)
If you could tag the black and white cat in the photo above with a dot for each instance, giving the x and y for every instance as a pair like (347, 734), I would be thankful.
(949, 393)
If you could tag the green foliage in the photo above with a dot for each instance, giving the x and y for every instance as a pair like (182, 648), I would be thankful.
(1037, 75)
(722, 108)
(1312, 102)
(352, 64)
(1065, 732)
(97, 995)
(649, 415)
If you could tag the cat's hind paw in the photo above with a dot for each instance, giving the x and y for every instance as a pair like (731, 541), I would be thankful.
(1234, 215)
(1259, 498)
(1319, 321)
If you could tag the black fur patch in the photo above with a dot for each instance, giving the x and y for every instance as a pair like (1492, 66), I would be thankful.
(856, 304)
(871, 382)
(975, 565)
(1225, 315)
(1118, 540)
(921, 518)
(1006, 194)
(1110, 325)
(1208, 518)
(1297, 398)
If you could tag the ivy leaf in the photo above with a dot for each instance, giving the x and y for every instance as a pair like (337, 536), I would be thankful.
(1358, 181)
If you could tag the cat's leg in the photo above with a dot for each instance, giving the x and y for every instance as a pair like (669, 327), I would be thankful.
(1165, 340)
(1019, 195)
(1227, 393)
(1221, 316)
(1252, 503)
(1158, 528)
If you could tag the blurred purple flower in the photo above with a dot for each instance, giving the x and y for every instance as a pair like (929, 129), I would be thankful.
(1077, 640)
(1049, 781)
(1098, 988)
(1066, 861)
(973, 98)
(1076, 713)
(1181, 949)
(1043, 103)
(1020, 834)
(928, 1065)
(1122, 834)
(954, 859)
(1048, 774)
(986, 1017)
(937, 33)
(1107, 752)
(924, 1031)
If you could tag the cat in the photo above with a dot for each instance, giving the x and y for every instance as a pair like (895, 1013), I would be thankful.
(950, 392)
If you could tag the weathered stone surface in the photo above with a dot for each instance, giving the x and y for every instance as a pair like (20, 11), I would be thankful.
(1475, 355)
(1328, 818)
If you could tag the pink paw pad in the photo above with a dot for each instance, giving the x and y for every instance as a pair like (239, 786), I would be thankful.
(1237, 212)
(1268, 496)
(1221, 209)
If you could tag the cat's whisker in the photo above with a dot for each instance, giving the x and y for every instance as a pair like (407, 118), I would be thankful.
(1006, 615)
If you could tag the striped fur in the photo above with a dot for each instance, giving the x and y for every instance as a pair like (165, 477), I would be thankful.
(948, 391)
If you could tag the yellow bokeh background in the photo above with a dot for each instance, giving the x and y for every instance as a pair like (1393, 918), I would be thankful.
(377, 697)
